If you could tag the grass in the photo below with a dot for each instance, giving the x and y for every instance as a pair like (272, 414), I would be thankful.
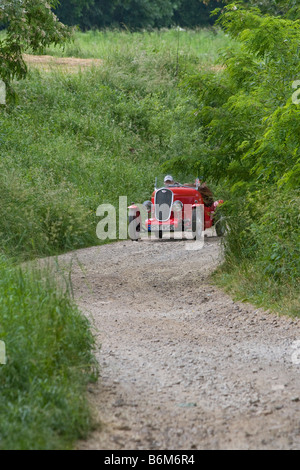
(198, 47)
(246, 283)
(262, 254)
(70, 143)
(75, 141)
(49, 363)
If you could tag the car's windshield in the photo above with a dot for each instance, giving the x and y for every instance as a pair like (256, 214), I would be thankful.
(160, 183)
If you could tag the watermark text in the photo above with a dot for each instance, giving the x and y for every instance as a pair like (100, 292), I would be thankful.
(138, 222)
(296, 94)
(2, 353)
(2, 92)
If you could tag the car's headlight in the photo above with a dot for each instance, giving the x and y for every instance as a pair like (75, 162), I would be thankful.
(177, 206)
(148, 205)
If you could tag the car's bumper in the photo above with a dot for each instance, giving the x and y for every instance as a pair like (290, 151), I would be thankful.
(170, 225)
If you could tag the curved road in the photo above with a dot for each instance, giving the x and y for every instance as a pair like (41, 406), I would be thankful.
(183, 366)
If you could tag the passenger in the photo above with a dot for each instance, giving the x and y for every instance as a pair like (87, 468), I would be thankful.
(207, 195)
(205, 191)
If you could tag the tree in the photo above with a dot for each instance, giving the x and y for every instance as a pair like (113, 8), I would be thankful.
(30, 26)
(191, 13)
(135, 14)
(288, 8)
(144, 13)
(77, 12)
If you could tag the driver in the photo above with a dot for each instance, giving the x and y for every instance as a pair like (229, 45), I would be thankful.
(169, 181)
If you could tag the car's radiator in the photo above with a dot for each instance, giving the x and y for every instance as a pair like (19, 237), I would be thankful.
(163, 204)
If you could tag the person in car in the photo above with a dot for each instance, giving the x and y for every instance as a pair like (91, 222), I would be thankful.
(206, 193)
(169, 181)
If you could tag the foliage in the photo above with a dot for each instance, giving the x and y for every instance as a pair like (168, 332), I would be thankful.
(135, 14)
(75, 12)
(251, 142)
(287, 8)
(263, 119)
(71, 142)
(49, 363)
(191, 13)
(30, 25)
(79, 140)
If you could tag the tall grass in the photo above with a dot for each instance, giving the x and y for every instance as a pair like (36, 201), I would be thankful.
(49, 362)
(193, 46)
(77, 140)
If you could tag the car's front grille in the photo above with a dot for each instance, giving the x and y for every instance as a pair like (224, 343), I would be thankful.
(163, 204)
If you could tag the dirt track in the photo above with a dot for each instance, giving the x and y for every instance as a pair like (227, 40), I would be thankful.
(183, 366)
(67, 64)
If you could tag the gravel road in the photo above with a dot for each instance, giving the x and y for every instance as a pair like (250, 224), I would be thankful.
(183, 366)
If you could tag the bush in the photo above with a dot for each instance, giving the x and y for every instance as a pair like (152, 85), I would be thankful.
(250, 148)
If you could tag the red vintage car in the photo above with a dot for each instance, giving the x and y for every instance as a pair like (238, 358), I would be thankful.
(175, 208)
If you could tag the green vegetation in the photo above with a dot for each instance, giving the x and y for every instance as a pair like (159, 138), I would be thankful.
(70, 142)
(288, 8)
(79, 140)
(251, 128)
(30, 24)
(197, 48)
(135, 14)
(159, 101)
(147, 14)
(49, 362)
